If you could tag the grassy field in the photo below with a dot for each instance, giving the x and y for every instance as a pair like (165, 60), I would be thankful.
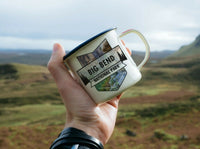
(162, 111)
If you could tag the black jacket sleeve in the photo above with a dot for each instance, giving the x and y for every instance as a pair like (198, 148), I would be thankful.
(72, 147)
(72, 138)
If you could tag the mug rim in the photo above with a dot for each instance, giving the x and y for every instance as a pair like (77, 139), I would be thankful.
(86, 42)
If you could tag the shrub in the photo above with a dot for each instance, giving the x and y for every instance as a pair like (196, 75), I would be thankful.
(162, 135)
(8, 71)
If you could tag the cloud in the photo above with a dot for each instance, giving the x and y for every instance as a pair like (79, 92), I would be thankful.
(25, 43)
(166, 24)
(169, 40)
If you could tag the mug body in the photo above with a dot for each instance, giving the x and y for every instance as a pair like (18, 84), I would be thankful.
(103, 66)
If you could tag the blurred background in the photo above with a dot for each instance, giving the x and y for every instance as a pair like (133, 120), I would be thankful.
(162, 111)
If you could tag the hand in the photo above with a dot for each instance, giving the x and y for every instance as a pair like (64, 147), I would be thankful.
(82, 112)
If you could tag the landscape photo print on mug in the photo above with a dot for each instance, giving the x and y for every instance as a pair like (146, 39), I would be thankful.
(103, 66)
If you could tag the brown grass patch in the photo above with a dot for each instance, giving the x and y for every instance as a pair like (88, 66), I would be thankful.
(167, 97)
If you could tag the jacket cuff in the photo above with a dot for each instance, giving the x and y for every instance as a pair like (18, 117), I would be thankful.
(70, 136)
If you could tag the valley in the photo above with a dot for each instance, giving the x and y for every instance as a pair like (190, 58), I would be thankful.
(162, 111)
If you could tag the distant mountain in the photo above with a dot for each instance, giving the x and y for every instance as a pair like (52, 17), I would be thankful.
(41, 57)
(192, 49)
(32, 57)
(155, 56)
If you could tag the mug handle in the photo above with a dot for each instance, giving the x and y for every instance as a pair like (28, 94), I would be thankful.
(147, 54)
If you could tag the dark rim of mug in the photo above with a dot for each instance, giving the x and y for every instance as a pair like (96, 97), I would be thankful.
(85, 43)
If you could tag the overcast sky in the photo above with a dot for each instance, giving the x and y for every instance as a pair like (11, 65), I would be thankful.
(37, 24)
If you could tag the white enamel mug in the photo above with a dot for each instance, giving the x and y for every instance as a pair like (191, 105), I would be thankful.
(103, 66)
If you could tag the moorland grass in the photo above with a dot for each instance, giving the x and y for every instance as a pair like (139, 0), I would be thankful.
(32, 99)
(45, 114)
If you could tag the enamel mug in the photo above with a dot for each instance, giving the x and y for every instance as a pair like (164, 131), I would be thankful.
(103, 66)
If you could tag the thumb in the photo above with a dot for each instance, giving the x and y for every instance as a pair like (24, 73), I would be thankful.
(56, 66)
(57, 55)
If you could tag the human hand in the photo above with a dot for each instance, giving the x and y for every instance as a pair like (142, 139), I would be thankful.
(82, 112)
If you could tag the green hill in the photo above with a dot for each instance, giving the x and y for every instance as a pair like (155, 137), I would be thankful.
(22, 84)
(192, 49)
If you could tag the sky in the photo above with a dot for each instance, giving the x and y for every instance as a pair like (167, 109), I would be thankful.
(38, 24)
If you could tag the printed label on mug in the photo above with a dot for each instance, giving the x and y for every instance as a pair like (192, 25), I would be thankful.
(103, 68)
